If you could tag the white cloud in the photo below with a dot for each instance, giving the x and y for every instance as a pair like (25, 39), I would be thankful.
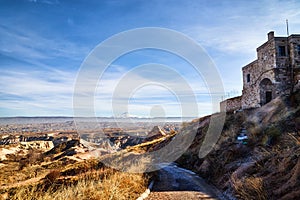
(159, 90)
(33, 47)
(241, 33)
(29, 91)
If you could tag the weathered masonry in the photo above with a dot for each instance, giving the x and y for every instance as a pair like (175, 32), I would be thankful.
(273, 73)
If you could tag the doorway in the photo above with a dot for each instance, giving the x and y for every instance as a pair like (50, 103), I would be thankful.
(268, 96)
(266, 88)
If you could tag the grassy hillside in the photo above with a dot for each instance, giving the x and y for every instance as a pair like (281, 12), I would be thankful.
(267, 166)
(57, 174)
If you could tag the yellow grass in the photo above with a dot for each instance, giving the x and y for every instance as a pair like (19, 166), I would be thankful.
(249, 188)
(88, 179)
(116, 186)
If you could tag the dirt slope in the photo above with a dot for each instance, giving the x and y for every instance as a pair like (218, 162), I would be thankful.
(267, 166)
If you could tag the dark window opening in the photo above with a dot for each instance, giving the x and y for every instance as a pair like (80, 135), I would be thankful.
(281, 51)
(298, 50)
(248, 78)
(268, 96)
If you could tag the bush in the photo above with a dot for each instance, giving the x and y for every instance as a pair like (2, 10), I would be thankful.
(34, 156)
(52, 176)
(273, 133)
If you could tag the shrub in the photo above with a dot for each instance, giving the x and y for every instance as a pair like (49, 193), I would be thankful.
(273, 134)
(52, 176)
(34, 156)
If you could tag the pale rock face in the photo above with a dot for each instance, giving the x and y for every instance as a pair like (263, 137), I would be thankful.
(156, 131)
(6, 151)
(43, 145)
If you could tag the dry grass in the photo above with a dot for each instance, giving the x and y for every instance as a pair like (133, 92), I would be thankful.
(267, 167)
(63, 179)
(111, 185)
(248, 188)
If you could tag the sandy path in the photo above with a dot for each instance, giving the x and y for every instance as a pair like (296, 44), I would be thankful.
(178, 183)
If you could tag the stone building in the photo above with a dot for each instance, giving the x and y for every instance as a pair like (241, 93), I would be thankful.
(272, 74)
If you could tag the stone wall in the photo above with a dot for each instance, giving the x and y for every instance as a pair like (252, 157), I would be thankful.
(250, 93)
(295, 54)
(251, 97)
(231, 104)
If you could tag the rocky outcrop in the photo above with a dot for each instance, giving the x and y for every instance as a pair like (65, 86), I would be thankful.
(44, 145)
(155, 133)
(15, 139)
(56, 138)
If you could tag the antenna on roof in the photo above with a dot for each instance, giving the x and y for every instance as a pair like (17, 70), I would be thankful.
(287, 27)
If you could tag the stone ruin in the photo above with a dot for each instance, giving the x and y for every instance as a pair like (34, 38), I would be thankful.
(275, 71)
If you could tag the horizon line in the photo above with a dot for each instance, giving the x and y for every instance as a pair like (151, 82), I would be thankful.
(111, 117)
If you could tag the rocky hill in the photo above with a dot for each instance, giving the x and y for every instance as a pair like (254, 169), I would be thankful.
(257, 155)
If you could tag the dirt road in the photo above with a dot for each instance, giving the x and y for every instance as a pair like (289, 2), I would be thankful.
(178, 183)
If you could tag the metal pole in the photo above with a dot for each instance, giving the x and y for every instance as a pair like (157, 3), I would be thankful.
(287, 27)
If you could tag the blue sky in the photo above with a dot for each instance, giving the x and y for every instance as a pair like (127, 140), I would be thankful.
(44, 42)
